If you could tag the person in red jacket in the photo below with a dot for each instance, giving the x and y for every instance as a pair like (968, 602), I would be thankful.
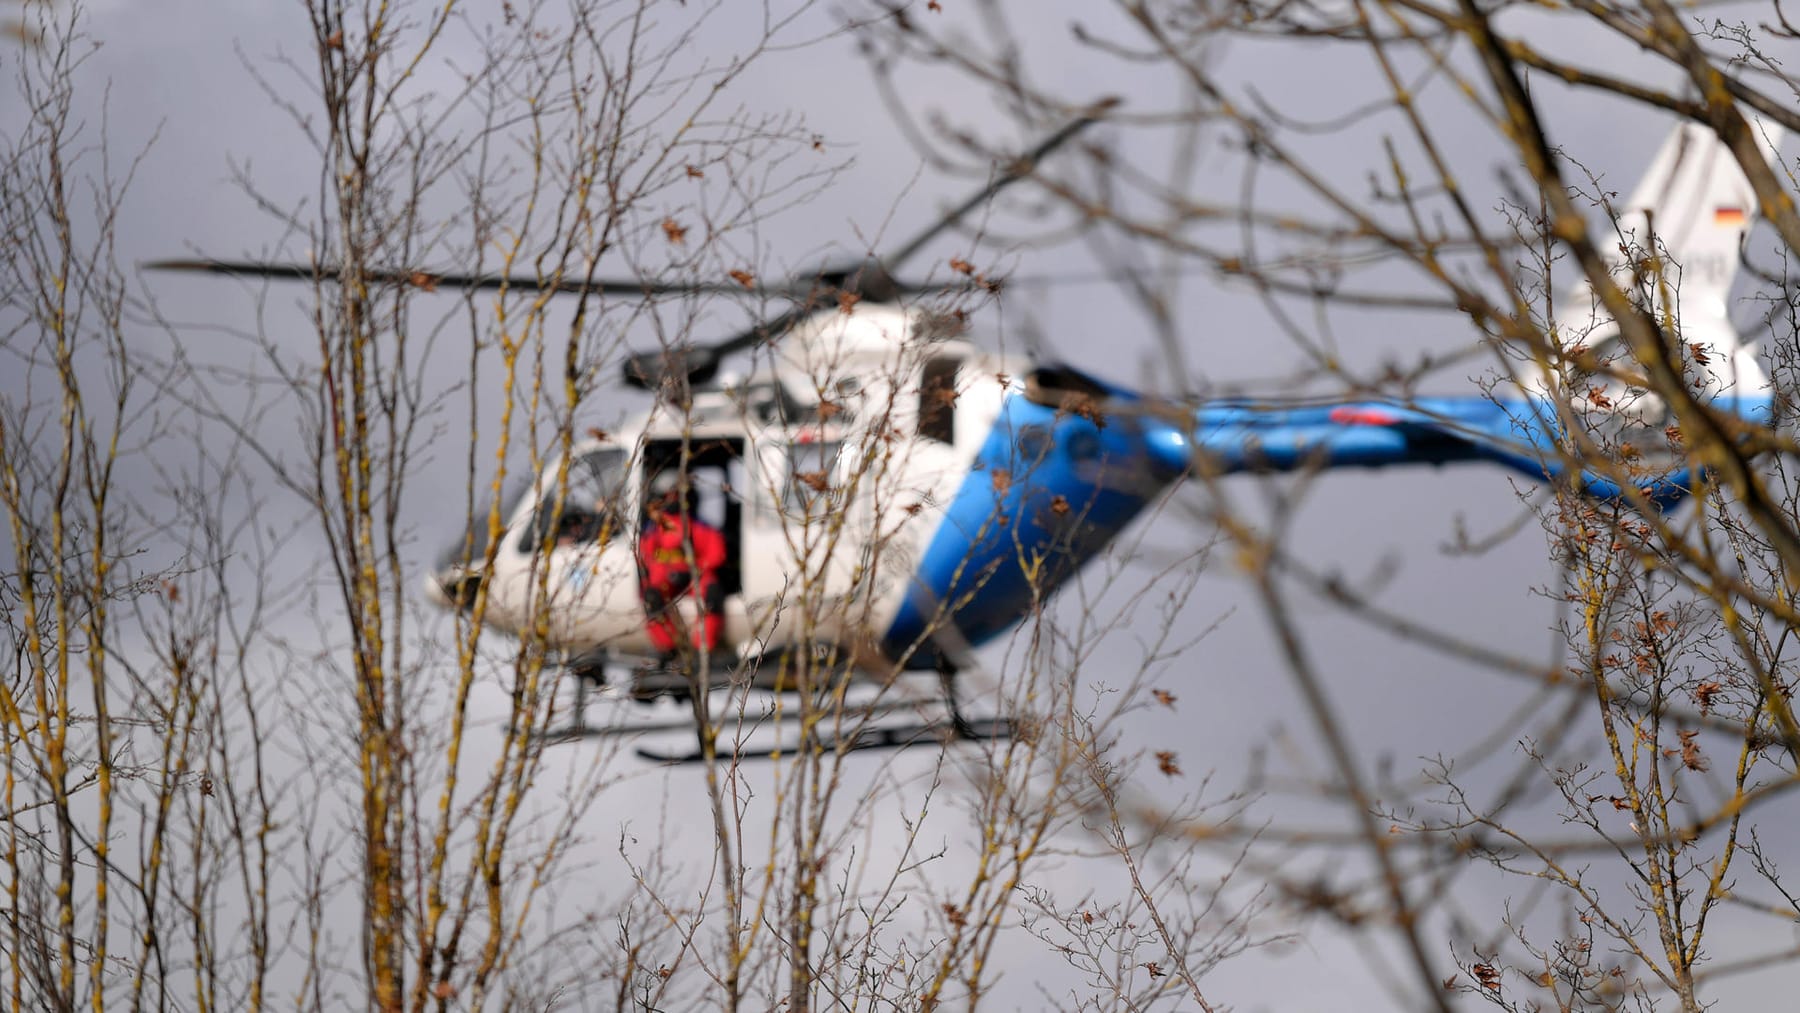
(679, 553)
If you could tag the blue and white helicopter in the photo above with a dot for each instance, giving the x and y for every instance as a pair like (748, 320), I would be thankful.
(891, 496)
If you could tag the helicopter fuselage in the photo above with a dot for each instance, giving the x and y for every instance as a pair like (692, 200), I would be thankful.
(903, 500)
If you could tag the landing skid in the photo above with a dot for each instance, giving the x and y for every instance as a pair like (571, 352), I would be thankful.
(938, 733)
(645, 686)
(735, 710)
(730, 716)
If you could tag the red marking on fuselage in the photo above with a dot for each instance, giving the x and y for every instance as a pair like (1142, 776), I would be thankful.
(1352, 416)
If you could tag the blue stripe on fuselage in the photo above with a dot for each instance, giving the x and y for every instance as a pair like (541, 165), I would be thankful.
(1048, 491)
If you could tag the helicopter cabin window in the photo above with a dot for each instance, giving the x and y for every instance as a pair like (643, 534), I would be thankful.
(937, 399)
(591, 508)
(838, 404)
(812, 475)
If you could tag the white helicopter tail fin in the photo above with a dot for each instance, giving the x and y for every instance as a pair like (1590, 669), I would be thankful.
(1695, 204)
(1689, 215)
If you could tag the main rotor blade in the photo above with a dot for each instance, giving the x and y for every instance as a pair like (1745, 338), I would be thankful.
(430, 280)
(1020, 167)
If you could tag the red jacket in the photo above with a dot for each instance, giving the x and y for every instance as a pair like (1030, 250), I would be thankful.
(664, 553)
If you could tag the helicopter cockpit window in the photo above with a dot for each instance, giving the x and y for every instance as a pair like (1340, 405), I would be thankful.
(591, 508)
(471, 548)
(812, 474)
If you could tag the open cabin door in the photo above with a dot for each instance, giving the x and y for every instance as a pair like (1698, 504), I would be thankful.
(715, 470)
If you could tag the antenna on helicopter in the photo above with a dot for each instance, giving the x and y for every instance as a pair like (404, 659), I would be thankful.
(433, 280)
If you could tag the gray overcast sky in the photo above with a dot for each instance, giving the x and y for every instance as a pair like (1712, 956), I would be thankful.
(177, 73)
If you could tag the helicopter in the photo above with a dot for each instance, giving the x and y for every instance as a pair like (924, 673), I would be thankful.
(890, 496)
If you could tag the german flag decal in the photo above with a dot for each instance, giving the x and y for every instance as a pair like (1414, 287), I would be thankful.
(1728, 217)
